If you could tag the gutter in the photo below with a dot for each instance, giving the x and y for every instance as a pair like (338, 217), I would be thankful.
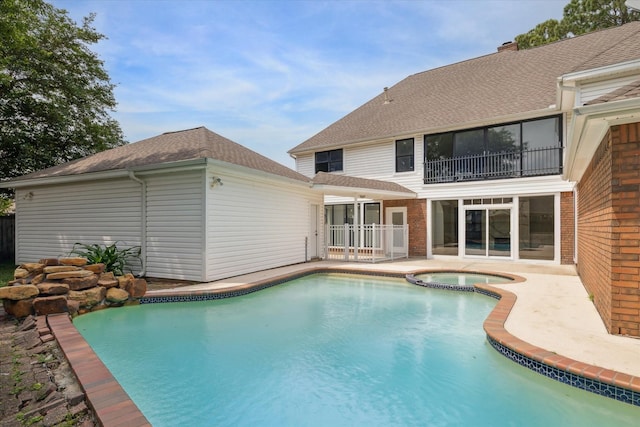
(143, 221)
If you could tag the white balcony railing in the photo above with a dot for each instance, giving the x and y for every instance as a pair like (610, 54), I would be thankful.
(513, 164)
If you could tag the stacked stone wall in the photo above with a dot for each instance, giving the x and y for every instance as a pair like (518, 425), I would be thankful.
(61, 285)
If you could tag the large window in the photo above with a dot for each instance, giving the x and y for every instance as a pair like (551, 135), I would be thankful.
(329, 161)
(404, 155)
(536, 225)
(526, 148)
(444, 227)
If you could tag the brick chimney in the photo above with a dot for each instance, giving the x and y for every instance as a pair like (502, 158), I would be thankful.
(508, 46)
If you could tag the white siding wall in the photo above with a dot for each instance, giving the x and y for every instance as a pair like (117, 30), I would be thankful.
(591, 91)
(175, 225)
(50, 219)
(305, 164)
(255, 224)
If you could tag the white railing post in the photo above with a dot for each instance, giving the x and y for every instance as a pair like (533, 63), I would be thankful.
(345, 240)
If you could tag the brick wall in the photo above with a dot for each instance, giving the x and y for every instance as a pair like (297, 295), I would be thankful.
(417, 221)
(625, 262)
(608, 229)
(567, 228)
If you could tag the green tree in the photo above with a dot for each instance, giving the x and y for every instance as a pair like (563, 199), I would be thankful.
(55, 95)
(579, 17)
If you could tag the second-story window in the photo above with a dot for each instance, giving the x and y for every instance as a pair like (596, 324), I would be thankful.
(329, 161)
(404, 155)
(509, 150)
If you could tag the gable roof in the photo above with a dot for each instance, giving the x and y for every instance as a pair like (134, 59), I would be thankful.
(343, 185)
(493, 86)
(191, 144)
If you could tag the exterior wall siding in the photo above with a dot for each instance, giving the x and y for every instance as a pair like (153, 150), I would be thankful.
(50, 219)
(175, 225)
(608, 229)
(254, 225)
(370, 161)
(590, 91)
(305, 164)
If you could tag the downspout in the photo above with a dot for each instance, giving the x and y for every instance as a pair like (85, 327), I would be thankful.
(143, 222)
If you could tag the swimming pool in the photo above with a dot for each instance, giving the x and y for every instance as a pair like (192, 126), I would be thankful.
(331, 350)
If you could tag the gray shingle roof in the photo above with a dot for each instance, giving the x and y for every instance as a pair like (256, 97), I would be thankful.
(324, 178)
(491, 86)
(183, 145)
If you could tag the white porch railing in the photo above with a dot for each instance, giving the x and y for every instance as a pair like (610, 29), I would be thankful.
(366, 243)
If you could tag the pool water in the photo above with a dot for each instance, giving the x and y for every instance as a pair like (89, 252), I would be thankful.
(461, 279)
(331, 350)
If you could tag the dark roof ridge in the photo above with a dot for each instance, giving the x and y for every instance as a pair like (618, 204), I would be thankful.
(183, 130)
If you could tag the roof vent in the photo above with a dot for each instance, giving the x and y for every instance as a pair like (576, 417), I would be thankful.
(508, 46)
(386, 96)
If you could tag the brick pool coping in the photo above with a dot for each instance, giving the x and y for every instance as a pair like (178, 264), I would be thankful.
(110, 403)
(113, 407)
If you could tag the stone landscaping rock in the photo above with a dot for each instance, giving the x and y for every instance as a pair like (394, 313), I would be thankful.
(124, 280)
(77, 261)
(53, 288)
(50, 305)
(88, 297)
(18, 292)
(60, 268)
(107, 280)
(95, 268)
(33, 267)
(19, 309)
(117, 295)
(20, 273)
(73, 307)
(49, 261)
(37, 279)
(136, 287)
(69, 274)
(99, 307)
(80, 283)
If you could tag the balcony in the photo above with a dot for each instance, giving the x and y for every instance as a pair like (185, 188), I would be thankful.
(514, 164)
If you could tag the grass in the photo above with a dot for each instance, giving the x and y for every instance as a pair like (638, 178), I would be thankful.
(6, 272)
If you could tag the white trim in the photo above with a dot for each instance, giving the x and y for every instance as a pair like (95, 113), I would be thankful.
(601, 72)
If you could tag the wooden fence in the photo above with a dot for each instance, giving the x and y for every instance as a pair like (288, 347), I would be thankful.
(7, 238)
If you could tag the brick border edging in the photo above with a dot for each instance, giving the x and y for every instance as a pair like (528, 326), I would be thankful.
(604, 382)
(106, 397)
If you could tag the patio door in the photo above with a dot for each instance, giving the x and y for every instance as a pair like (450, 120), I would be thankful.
(487, 232)
(397, 216)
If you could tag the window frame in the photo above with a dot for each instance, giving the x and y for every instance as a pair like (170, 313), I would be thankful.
(411, 156)
(522, 171)
(331, 165)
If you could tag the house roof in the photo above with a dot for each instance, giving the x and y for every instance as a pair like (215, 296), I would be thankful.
(343, 185)
(489, 87)
(191, 144)
(631, 90)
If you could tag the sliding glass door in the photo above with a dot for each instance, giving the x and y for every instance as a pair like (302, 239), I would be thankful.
(488, 232)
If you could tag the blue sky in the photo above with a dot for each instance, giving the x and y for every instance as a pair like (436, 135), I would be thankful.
(271, 74)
